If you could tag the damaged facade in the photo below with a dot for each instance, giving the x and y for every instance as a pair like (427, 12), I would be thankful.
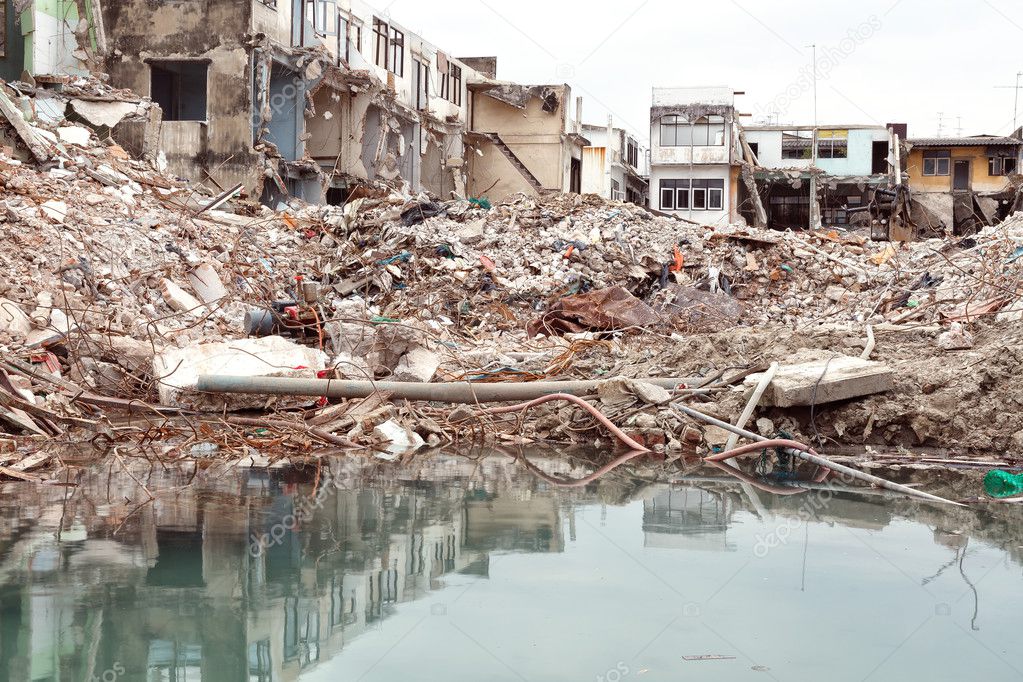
(310, 98)
(693, 160)
(968, 182)
(614, 164)
(50, 40)
(809, 176)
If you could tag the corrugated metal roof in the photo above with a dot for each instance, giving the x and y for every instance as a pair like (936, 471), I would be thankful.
(978, 141)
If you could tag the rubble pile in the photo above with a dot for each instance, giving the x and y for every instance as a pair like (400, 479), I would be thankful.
(123, 286)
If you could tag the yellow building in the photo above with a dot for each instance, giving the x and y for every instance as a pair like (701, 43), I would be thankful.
(978, 164)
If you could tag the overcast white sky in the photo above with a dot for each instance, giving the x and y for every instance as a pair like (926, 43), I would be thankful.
(880, 61)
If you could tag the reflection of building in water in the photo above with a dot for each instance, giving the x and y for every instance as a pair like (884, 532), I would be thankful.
(687, 518)
(179, 593)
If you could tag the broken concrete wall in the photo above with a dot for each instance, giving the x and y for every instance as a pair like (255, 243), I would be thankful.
(534, 128)
(139, 31)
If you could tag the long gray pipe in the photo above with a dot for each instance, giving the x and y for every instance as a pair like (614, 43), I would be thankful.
(454, 392)
(819, 461)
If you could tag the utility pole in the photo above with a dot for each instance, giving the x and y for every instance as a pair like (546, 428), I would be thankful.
(1015, 106)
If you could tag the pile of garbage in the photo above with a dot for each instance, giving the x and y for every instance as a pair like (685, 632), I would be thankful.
(125, 286)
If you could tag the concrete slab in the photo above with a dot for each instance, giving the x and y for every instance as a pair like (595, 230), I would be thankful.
(842, 378)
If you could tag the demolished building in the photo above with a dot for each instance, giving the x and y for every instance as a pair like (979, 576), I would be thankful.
(310, 99)
(965, 183)
(809, 176)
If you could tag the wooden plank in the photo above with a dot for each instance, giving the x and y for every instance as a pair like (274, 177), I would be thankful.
(826, 381)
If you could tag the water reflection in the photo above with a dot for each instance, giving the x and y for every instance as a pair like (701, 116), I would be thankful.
(264, 576)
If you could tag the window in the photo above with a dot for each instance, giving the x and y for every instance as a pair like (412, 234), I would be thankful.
(272, 4)
(674, 195)
(714, 190)
(937, 162)
(708, 131)
(632, 154)
(833, 144)
(797, 144)
(320, 14)
(1001, 165)
(455, 86)
(397, 52)
(180, 89)
(421, 84)
(673, 130)
(350, 37)
(380, 32)
(260, 664)
(616, 191)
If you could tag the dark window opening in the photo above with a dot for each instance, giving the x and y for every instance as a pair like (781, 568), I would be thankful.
(397, 52)
(1001, 165)
(455, 87)
(180, 89)
(336, 196)
(380, 31)
(755, 148)
(879, 163)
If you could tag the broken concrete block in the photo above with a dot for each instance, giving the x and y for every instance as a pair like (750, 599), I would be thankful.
(419, 365)
(179, 369)
(13, 320)
(956, 338)
(825, 381)
(206, 284)
(651, 394)
(835, 293)
(74, 135)
(400, 440)
(177, 299)
(54, 210)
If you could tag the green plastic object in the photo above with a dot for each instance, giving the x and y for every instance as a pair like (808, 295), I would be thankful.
(1002, 484)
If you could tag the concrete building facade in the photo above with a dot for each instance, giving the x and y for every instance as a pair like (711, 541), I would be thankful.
(614, 164)
(693, 169)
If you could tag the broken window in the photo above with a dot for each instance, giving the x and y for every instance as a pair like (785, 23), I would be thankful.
(833, 144)
(937, 162)
(321, 14)
(421, 84)
(179, 87)
(380, 32)
(797, 144)
(455, 85)
(397, 52)
(1001, 165)
(350, 37)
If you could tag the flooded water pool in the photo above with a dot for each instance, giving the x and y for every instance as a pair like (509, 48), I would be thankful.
(465, 570)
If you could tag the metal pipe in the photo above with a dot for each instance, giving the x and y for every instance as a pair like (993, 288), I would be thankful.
(819, 461)
(453, 392)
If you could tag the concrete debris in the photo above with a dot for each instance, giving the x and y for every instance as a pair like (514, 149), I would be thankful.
(178, 369)
(123, 284)
(826, 381)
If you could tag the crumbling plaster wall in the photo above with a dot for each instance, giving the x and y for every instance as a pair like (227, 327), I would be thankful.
(187, 30)
(534, 135)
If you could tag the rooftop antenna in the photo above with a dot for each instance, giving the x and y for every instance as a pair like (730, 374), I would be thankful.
(814, 48)
(1015, 106)
(959, 126)
(941, 123)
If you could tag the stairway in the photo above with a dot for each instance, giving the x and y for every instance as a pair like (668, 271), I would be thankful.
(515, 161)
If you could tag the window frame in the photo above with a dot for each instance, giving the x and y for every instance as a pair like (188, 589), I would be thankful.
(455, 85)
(396, 45)
(381, 42)
(935, 159)
(421, 74)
